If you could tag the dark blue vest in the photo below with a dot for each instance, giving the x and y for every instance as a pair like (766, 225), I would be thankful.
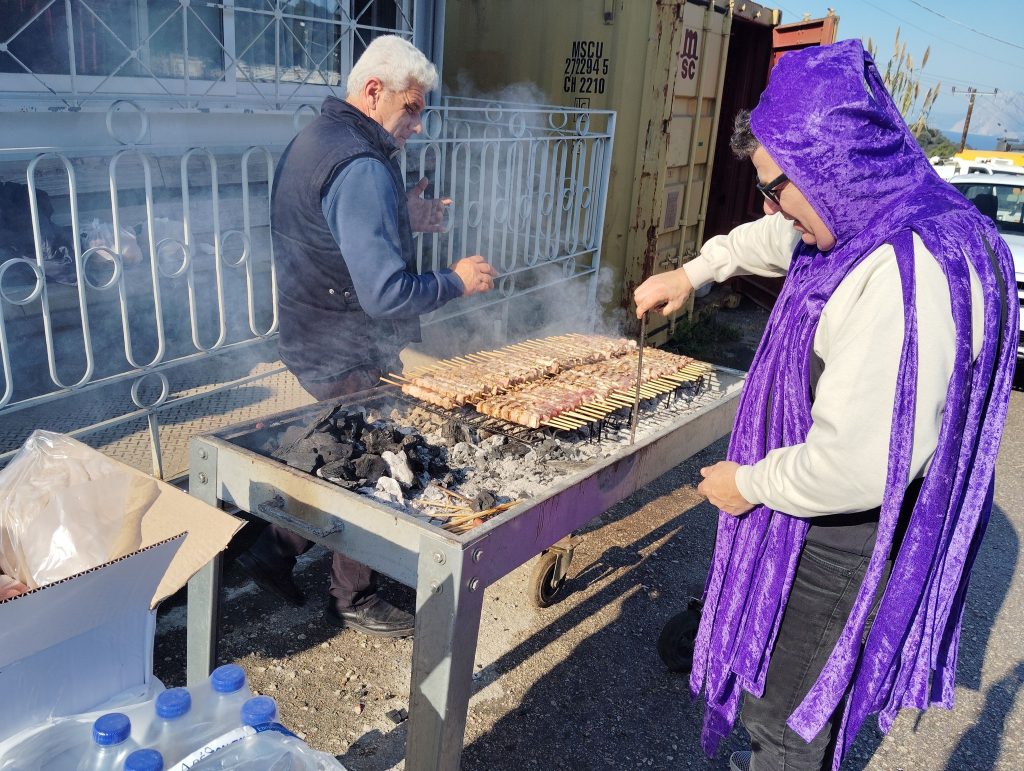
(324, 332)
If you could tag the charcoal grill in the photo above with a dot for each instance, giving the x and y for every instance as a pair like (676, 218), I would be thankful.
(448, 571)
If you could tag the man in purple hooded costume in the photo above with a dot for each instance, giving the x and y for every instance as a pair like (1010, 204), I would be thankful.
(860, 471)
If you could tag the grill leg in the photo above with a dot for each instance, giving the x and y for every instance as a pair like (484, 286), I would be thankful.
(204, 587)
(447, 625)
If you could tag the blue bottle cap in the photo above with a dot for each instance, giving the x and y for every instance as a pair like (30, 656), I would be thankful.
(259, 710)
(112, 728)
(144, 760)
(174, 702)
(228, 678)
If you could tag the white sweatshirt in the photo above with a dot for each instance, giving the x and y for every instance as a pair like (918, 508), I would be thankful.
(841, 467)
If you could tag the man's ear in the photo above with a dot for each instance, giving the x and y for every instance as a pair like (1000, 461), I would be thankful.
(371, 92)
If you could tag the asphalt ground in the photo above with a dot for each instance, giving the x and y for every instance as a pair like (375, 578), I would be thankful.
(579, 685)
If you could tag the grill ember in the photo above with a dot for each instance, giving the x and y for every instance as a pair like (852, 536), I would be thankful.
(562, 382)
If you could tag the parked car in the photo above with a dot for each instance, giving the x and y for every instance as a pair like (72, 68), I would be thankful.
(1001, 197)
(952, 167)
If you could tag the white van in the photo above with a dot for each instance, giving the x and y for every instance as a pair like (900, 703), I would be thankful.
(1001, 197)
(952, 167)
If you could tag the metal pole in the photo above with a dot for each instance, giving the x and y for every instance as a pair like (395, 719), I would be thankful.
(639, 379)
(203, 609)
(449, 599)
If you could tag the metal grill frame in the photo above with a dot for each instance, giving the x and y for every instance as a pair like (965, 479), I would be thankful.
(448, 571)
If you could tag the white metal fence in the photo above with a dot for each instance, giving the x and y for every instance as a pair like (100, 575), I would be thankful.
(142, 258)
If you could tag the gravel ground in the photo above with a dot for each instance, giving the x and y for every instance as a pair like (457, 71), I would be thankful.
(579, 685)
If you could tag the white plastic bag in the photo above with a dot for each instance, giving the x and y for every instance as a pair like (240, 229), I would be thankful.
(65, 508)
(267, 751)
(101, 234)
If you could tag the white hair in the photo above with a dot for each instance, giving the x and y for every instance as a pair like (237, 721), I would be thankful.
(396, 62)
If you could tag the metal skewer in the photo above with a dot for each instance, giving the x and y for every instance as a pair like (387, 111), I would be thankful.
(639, 378)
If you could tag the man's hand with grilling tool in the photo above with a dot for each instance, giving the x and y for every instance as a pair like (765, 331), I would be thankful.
(664, 292)
(477, 276)
(426, 215)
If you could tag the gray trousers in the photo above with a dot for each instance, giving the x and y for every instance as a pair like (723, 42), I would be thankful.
(824, 590)
(352, 583)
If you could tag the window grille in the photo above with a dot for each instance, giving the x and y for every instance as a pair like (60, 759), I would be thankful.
(270, 53)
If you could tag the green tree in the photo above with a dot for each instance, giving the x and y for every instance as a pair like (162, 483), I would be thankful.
(903, 79)
(934, 142)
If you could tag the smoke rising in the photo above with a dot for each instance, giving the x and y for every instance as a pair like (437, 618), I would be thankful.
(523, 181)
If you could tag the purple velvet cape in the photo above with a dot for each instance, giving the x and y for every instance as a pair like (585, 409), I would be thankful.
(829, 123)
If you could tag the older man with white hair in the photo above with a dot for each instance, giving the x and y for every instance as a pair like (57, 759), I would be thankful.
(350, 296)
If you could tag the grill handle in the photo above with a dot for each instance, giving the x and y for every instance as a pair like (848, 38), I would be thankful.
(272, 510)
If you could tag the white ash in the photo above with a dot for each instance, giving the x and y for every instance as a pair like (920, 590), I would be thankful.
(398, 465)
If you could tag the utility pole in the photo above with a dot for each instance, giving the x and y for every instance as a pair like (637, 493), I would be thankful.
(972, 92)
(967, 121)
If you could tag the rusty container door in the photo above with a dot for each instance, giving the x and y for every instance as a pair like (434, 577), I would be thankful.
(753, 51)
(804, 34)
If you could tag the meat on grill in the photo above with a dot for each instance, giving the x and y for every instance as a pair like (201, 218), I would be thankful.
(489, 373)
(536, 403)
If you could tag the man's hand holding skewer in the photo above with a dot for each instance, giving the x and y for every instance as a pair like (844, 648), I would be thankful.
(426, 215)
(477, 276)
(664, 292)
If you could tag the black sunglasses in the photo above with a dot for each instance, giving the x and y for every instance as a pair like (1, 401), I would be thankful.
(770, 190)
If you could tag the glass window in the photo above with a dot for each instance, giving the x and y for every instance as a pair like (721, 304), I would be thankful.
(113, 38)
(1004, 204)
(307, 47)
(36, 34)
(300, 42)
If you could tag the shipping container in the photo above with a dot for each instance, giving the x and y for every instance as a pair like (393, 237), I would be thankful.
(675, 72)
(660, 65)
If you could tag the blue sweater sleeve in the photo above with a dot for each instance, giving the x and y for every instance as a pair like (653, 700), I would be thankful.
(361, 208)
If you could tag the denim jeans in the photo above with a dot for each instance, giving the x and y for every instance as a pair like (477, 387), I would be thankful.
(824, 590)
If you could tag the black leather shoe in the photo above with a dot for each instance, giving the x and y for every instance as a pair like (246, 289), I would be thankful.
(376, 617)
(280, 582)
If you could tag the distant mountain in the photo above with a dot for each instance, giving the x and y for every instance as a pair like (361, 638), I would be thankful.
(996, 116)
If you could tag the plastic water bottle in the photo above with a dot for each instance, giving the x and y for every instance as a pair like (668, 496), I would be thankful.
(172, 732)
(218, 702)
(111, 743)
(259, 710)
(144, 760)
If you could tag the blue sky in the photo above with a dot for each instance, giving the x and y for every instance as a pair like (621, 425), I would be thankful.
(959, 56)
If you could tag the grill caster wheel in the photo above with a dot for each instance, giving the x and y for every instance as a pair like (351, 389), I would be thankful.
(675, 643)
(548, 578)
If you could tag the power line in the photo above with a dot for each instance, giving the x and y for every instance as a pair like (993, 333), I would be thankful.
(900, 19)
(965, 26)
(934, 78)
(783, 8)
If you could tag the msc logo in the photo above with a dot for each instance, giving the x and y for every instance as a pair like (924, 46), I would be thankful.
(688, 56)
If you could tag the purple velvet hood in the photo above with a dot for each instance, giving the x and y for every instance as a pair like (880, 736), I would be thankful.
(829, 123)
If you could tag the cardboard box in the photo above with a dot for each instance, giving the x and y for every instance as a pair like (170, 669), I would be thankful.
(72, 645)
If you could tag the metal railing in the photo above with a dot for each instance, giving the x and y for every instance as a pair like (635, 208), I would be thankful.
(186, 271)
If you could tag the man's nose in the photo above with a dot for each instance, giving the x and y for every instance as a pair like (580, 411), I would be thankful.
(770, 207)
